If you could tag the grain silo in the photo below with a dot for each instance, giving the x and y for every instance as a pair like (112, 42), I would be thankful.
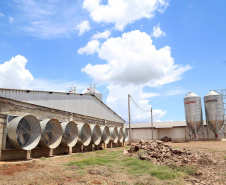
(193, 115)
(214, 109)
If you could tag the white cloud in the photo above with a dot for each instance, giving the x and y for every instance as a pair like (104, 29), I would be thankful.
(149, 95)
(102, 35)
(133, 59)
(47, 19)
(157, 32)
(117, 99)
(90, 48)
(132, 63)
(14, 75)
(83, 27)
(176, 92)
(11, 20)
(1, 14)
(123, 12)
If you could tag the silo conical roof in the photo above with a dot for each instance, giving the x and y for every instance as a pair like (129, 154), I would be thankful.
(212, 92)
(191, 94)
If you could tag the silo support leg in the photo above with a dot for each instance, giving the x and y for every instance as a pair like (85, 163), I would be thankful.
(203, 132)
(217, 135)
(196, 134)
(208, 132)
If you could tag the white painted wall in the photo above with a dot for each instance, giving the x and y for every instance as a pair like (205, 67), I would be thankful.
(175, 133)
(145, 134)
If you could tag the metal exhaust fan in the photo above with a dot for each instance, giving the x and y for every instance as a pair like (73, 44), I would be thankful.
(84, 134)
(105, 134)
(24, 132)
(70, 133)
(96, 134)
(114, 134)
(51, 133)
(120, 135)
(126, 134)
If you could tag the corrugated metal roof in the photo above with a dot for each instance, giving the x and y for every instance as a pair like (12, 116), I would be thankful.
(159, 124)
(83, 104)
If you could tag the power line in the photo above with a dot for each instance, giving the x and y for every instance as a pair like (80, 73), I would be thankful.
(138, 106)
(143, 110)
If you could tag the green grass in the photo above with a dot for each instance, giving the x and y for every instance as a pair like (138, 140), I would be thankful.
(114, 153)
(115, 161)
(79, 155)
(91, 161)
(101, 152)
(224, 157)
(138, 167)
(187, 169)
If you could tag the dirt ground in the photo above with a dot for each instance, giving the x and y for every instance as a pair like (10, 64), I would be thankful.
(211, 146)
(54, 170)
(211, 173)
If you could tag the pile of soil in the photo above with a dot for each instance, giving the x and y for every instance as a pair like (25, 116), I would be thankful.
(210, 168)
(162, 154)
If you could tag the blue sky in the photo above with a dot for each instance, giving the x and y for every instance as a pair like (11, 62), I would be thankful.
(155, 50)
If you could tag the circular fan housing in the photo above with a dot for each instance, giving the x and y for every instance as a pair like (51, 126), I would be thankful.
(84, 134)
(120, 135)
(24, 132)
(70, 133)
(51, 133)
(114, 134)
(105, 134)
(96, 134)
(126, 134)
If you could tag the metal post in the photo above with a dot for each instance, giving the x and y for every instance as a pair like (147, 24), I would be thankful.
(187, 129)
(207, 125)
(196, 135)
(217, 129)
(130, 132)
(203, 133)
(152, 125)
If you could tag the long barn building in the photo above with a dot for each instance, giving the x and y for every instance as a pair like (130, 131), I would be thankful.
(63, 107)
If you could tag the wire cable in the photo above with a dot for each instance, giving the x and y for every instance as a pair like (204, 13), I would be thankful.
(138, 106)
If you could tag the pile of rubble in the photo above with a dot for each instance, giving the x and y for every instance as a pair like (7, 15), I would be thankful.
(162, 154)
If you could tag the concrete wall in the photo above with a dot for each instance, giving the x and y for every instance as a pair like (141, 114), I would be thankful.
(175, 133)
(145, 134)
(158, 133)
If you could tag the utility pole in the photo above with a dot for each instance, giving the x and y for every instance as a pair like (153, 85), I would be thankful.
(130, 133)
(152, 125)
